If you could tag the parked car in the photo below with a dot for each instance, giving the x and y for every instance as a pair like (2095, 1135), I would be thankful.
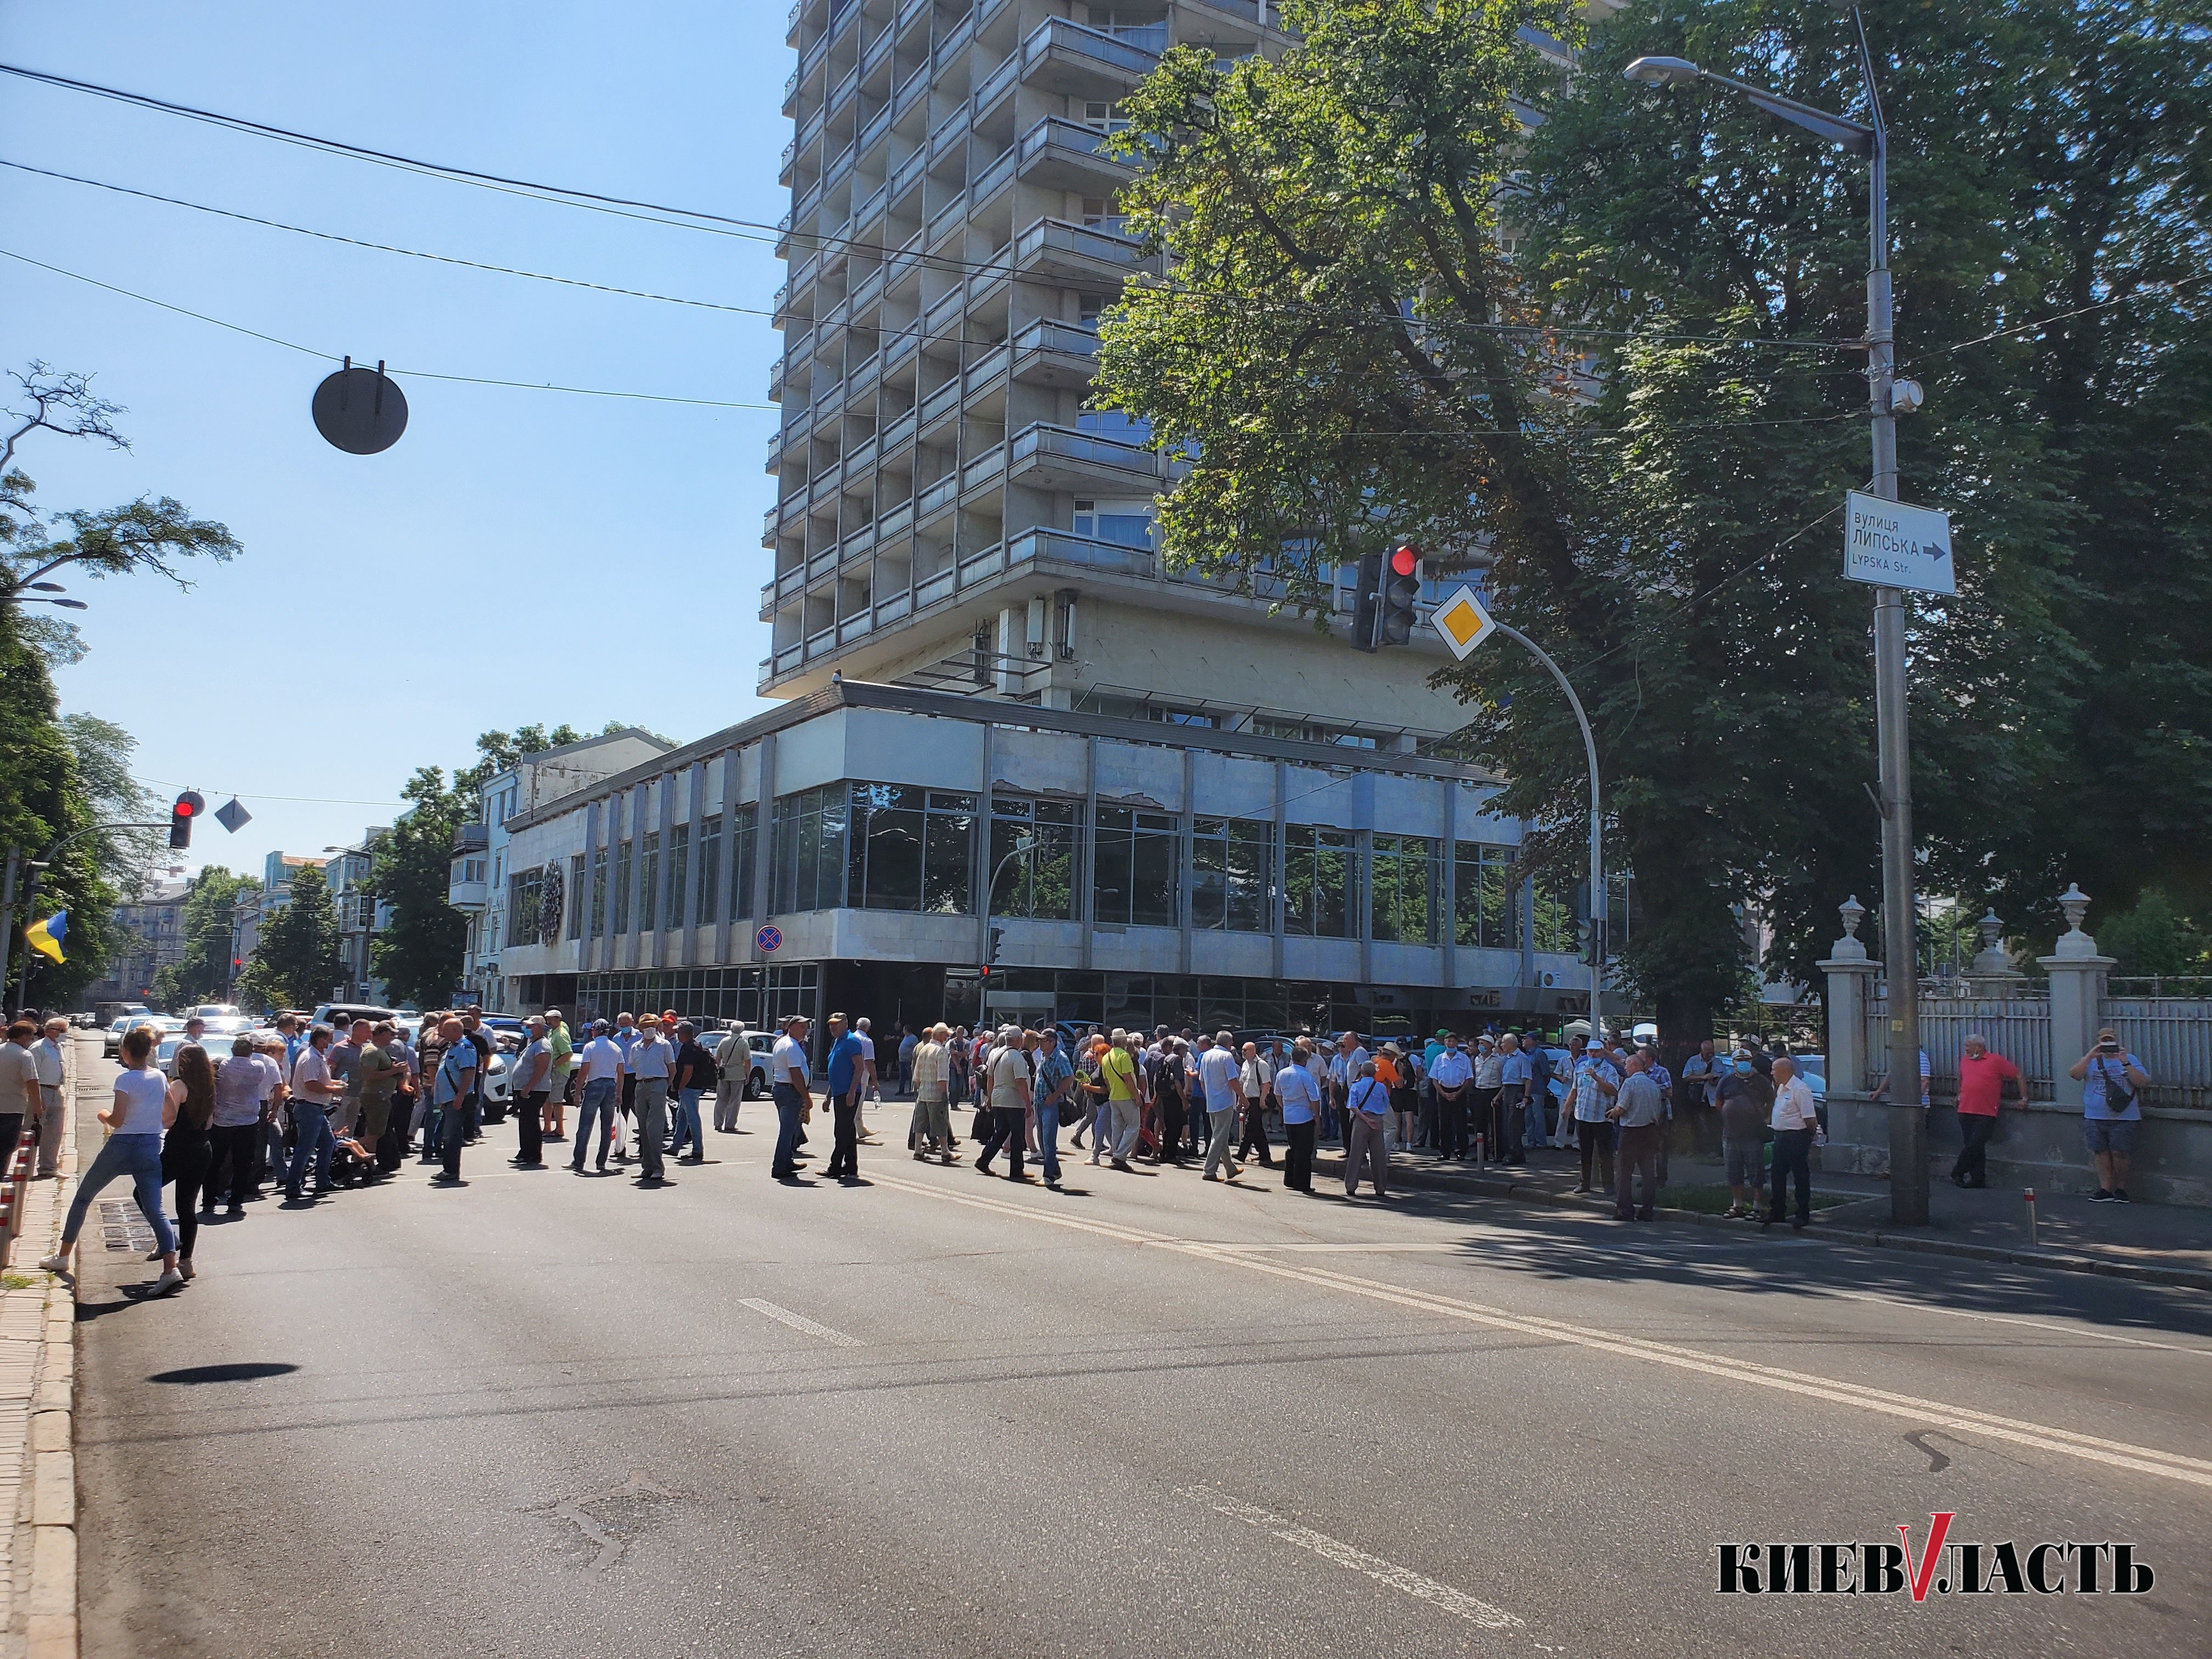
(339, 1015)
(213, 1010)
(122, 1027)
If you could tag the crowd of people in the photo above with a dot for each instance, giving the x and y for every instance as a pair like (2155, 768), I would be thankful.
(308, 1107)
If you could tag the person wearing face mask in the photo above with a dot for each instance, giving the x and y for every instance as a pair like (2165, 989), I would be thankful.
(1746, 1099)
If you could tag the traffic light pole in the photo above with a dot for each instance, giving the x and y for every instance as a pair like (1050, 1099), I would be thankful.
(1598, 905)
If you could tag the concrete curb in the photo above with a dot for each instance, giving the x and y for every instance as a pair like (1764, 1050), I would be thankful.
(1527, 1193)
(48, 1625)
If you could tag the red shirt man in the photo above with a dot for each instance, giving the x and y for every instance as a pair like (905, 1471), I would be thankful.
(1982, 1077)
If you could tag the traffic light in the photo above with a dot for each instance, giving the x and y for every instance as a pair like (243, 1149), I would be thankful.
(998, 938)
(1401, 589)
(1367, 603)
(188, 806)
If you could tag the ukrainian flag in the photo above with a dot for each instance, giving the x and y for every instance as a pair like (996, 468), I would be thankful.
(46, 937)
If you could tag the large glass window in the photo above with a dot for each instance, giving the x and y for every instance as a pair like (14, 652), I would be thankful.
(746, 820)
(810, 849)
(1318, 882)
(648, 878)
(1482, 896)
(910, 848)
(1408, 883)
(621, 886)
(599, 893)
(572, 900)
(1554, 918)
(1139, 868)
(1040, 883)
(679, 871)
(522, 907)
(1232, 867)
(710, 867)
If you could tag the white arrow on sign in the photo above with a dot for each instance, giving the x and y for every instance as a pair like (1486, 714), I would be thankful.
(1462, 622)
(1893, 545)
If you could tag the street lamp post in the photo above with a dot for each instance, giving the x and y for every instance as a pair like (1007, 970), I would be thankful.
(1886, 396)
(1023, 844)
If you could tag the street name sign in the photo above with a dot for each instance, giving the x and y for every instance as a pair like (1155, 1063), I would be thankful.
(1893, 545)
(1462, 622)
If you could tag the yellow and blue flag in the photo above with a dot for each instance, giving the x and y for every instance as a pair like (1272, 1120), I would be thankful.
(46, 937)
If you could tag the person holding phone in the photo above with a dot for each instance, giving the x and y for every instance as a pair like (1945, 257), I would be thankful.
(2111, 1105)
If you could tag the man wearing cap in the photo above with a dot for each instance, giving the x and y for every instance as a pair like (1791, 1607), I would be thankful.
(560, 1081)
(652, 1059)
(843, 1065)
(795, 1097)
(1449, 1076)
(601, 1066)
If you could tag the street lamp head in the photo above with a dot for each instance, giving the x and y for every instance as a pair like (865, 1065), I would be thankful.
(1663, 71)
(71, 604)
(46, 587)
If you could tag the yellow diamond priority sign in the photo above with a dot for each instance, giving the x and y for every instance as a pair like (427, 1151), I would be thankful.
(1462, 622)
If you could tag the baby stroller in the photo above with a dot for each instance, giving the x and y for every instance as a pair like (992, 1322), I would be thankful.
(353, 1164)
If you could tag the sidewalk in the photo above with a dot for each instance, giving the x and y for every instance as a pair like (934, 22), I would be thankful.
(38, 1462)
(2166, 1243)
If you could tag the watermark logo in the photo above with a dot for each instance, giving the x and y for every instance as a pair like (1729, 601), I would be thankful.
(1942, 1566)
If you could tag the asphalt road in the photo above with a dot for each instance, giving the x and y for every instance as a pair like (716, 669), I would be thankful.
(547, 1414)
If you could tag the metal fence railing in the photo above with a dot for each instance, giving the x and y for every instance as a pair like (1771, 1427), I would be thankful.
(2171, 1036)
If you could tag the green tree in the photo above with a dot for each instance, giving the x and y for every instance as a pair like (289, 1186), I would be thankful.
(296, 962)
(205, 970)
(418, 955)
(2152, 936)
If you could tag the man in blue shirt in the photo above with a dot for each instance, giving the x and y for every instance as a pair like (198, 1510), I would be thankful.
(624, 1035)
(844, 1065)
(457, 1076)
(1298, 1090)
(1055, 1079)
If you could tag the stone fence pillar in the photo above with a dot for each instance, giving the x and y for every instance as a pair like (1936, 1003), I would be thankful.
(2077, 996)
(1850, 985)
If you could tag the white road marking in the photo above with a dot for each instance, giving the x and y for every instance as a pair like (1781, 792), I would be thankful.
(1927, 1414)
(1403, 1579)
(2032, 1324)
(798, 1321)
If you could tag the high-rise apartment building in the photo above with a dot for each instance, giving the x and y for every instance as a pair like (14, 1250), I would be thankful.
(950, 515)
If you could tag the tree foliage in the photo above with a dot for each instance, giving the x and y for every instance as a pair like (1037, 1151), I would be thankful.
(295, 964)
(204, 970)
(1616, 361)
(418, 955)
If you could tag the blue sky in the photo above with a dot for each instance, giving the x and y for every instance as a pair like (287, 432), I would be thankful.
(519, 555)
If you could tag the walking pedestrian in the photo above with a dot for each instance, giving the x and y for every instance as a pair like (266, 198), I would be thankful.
(1299, 1091)
(1983, 1079)
(1010, 1103)
(1050, 1091)
(931, 1081)
(314, 1093)
(1540, 1099)
(529, 1088)
(1256, 1081)
(1637, 1111)
(1367, 1138)
(1125, 1099)
(2111, 1105)
(907, 1043)
(456, 1084)
(1795, 1122)
(1218, 1077)
(866, 1084)
(187, 1152)
(144, 1105)
(1747, 1107)
(47, 1055)
(1090, 1082)
(795, 1097)
(1171, 1085)
(1450, 1076)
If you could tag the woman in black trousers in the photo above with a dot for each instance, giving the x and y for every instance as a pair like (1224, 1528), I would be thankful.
(187, 1153)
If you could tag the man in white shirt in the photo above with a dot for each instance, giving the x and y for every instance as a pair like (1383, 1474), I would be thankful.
(1343, 1072)
(1449, 1074)
(46, 1054)
(733, 1071)
(1217, 1075)
(601, 1066)
(1256, 1078)
(794, 1096)
(866, 1084)
(1010, 1103)
(1489, 1088)
(1298, 1091)
(1796, 1119)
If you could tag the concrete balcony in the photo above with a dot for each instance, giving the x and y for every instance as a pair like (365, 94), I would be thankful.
(466, 895)
(1047, 456)
(1048, 353)
(1067, 57)
(1065, 155)
(1054, 247)
(470, 838)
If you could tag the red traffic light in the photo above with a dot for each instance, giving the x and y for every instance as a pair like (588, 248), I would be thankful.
(185, 807)
(1403, 561)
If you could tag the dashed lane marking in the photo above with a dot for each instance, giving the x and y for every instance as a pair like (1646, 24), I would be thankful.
(798, 1321)
(1402, 1579)
(1925, 1414)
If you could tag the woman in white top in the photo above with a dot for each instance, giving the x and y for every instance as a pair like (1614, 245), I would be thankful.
(145, 1104)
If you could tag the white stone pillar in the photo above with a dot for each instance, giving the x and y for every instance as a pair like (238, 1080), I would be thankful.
(2077, 996)
(1851, 974)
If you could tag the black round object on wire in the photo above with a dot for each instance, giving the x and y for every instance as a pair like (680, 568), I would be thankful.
(360, 411)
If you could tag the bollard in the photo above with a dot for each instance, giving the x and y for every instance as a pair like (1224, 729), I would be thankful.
(1479, 1149)
(2030, 1196)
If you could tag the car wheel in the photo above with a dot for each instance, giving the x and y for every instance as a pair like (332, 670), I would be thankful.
(752, 1086)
